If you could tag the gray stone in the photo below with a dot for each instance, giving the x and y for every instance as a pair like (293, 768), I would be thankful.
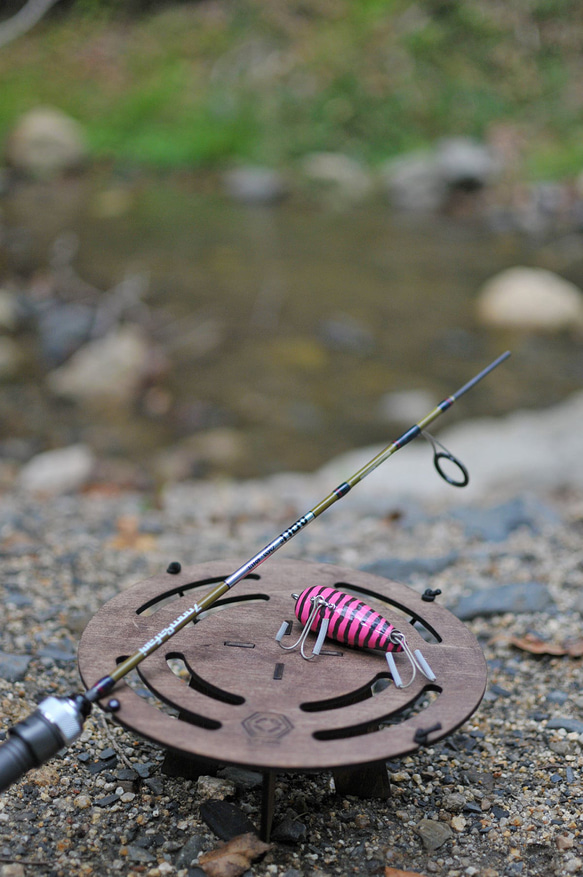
(496, 523)
(139, 854)
(243, 779)
(63, 328)
(454, 802)
(290, 830)
(189, 852)
(569, 725)
(13, 667)
(433, 834)
(58, 654)
(517, 598)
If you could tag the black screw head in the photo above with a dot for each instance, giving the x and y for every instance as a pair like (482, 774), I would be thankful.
(174, 568)
(113, 705)
(429, 595)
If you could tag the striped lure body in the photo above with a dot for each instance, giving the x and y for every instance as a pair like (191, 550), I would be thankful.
(350, 621)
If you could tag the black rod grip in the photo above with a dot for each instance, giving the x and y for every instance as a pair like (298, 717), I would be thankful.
(16, 759)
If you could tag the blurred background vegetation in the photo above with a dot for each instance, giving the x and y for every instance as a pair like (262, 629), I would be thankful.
(169, 84)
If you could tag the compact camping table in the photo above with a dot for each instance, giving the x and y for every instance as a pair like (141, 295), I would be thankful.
(223, 691)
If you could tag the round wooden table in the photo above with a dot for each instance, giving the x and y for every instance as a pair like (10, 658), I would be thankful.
(222, 690)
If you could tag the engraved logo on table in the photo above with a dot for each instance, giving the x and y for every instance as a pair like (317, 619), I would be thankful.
(267, 726)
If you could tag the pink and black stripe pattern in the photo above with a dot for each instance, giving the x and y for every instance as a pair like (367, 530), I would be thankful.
(351, 621)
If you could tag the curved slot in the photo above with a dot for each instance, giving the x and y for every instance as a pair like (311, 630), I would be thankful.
(395, 717)
(181, 668)
(232, 602)
(152, 606)
(135, 681)
(420, 624)
(365, 692)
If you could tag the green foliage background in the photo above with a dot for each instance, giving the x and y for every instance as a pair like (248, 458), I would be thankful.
(197, 84)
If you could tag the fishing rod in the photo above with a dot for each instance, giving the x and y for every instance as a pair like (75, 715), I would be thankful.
(58, 721)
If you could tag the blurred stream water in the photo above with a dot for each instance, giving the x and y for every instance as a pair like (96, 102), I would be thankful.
(288, 324)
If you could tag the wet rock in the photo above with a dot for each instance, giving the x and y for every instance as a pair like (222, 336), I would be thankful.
(108, 370)
(13, 667)
(465, 163)
(59, 471)
(414, 184)
(337, 175)
(225, 820)
(530, 299)
(518, 598)
(433, 834)
(404, 570)
(254, 185)
(45, 142)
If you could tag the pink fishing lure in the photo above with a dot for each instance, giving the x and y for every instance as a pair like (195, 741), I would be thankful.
(351, 621)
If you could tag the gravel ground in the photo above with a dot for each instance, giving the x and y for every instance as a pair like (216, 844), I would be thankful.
(501, 796)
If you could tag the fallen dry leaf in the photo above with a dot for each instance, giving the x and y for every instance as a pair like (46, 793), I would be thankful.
(129, 536)
(535, 646)
(396, 872)
(234, 857)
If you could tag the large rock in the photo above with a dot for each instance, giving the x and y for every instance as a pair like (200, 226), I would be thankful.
(465, 163)
(414, 183)
(338, 174)
(58, 471)
(45, 143)
(252, 184)
(111, 369)
(425, 181)
(530, 299)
